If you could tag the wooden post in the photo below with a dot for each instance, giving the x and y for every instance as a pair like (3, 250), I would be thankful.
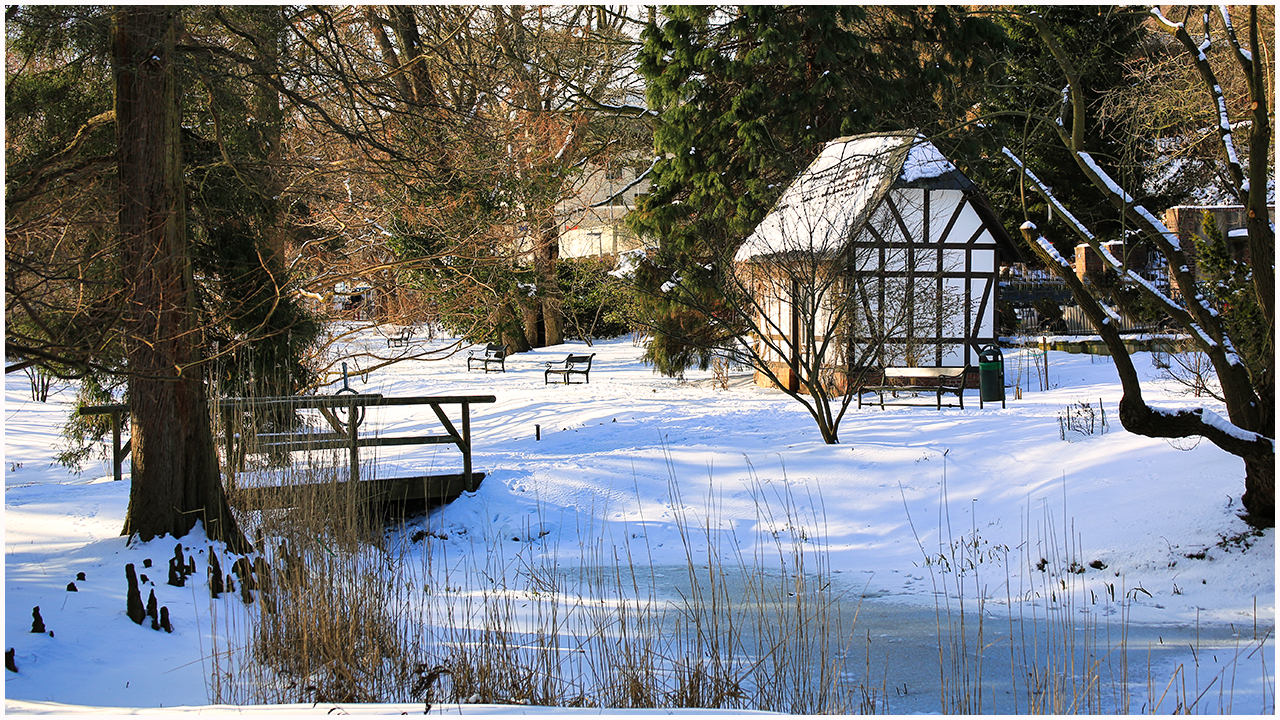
(466, 446)
(228, 447)
(115, 446)
(793, 383)
(1044, 346)
(353, 422)
(118, 453)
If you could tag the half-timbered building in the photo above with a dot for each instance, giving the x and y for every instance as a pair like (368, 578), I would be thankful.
(881, 253)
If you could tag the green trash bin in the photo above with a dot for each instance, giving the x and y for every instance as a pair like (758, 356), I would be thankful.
(990, 375)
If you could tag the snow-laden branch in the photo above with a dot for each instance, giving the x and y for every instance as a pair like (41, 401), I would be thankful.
(1173, 308)
(564, 146)
(1029, 228)
(1214, 423)
(640, 177)
(1208, 39)
(629, 110)
(1242, 53)
(1168, 24)
(1136, 278)
(1135, 415)
(1208, 76)
(1224, 128)
(1048, 195)
(1155, 227)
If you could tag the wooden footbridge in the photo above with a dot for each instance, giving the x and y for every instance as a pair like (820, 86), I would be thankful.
(344, 413)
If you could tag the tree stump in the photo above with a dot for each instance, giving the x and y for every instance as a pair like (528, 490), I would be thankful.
(262, 574)
(133, 599)
(178, 568)
(152, 612)
(215, 574)
(177, 573)
(244, 571)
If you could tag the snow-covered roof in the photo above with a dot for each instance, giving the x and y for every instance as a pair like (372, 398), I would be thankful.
(924, 161)
(835, 195)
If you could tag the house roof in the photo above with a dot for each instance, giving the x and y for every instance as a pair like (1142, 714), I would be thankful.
(836, 195)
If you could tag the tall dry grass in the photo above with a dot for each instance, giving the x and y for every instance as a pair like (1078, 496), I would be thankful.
(349, 608)
(760, 631)
(330, 616)
(1068, 641)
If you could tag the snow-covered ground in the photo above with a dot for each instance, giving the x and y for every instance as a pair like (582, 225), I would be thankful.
(624, 461)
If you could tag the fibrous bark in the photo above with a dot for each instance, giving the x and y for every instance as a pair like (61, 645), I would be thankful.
(176, 480)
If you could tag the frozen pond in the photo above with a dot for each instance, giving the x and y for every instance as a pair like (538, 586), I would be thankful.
(899, 650)
(890, 657)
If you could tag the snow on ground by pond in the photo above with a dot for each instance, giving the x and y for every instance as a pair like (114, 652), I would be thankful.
(624, 460)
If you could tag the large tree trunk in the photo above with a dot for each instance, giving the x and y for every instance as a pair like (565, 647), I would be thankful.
(531, 317)
(176, 481)
(509, 328)
(544, 317)
(549, 286)
(267, 23)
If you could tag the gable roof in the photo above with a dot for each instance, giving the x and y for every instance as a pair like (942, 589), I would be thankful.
(837, 194)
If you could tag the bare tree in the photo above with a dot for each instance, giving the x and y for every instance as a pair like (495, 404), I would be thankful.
(569, 71)
(494, 114)
(1248, 391)
(1164, 98)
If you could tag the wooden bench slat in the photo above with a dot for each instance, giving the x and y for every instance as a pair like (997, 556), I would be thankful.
(924, 372)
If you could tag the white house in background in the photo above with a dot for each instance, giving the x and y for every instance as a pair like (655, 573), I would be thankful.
(591, 224)
(898, 224)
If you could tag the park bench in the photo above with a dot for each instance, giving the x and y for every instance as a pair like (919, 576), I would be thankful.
(402, 338)
(494, 358)
(915, 381)
(567, 368)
